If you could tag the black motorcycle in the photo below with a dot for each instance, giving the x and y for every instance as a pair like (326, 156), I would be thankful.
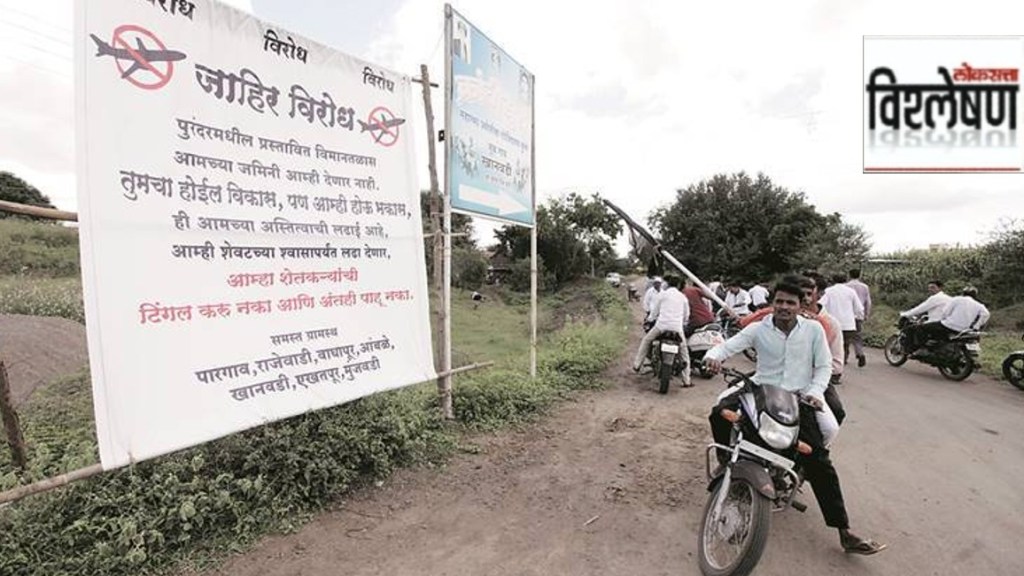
(956, 356)
(760, 476)
(1013, 368)
(664, 356)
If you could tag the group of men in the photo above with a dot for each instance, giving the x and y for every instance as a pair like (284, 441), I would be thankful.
(802, 331)
(800, 347)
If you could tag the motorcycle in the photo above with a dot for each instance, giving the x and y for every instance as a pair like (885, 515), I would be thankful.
(703, 339)
(760, 476)
(664, 357)
(1013, 368)
(956, 356)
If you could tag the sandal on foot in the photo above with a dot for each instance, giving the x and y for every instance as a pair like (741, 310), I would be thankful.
(865, 547)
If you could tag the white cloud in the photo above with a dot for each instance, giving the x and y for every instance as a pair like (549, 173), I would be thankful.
(636, 99)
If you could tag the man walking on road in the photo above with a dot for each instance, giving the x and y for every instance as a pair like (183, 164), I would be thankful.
(843, 304)
(864, 293)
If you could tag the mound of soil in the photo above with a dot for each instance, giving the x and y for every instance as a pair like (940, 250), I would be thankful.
(38, 350)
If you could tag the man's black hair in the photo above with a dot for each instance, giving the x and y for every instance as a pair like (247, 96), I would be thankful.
(791, 288)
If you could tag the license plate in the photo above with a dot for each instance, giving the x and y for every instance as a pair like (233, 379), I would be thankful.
(670, 348)
(973, 346)
(768, 455)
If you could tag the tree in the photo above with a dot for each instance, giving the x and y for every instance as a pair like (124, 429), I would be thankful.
(1004, 271)
(574, 237)
(749, 229)
(462, 225)
(14, 189)
(834, 245)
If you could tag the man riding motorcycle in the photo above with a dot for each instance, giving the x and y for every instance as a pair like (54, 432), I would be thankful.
(792, 352)
(669, 313)
(961, 313)
(929, 310)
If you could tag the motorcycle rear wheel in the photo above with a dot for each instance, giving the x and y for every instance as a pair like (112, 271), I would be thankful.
(1013, 369)
(963, 369)
(751, 512)
(894, 353)
(664, 377)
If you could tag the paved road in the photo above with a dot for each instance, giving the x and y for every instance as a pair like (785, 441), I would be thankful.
(932, 467)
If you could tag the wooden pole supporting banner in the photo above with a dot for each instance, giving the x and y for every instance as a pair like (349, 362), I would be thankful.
(19, 452)
(438, 243)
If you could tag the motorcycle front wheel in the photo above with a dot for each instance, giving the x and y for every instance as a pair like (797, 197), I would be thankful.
(731, 543)
(894, 353)
(961, 370)
(1013, 369)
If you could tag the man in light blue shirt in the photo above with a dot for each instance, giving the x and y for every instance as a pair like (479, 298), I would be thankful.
(793, 353)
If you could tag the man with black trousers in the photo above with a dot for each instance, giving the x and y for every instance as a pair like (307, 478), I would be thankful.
(792, 353)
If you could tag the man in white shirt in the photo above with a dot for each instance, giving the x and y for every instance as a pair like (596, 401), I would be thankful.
(933, 306)
(864, 293)
(792, 353)
(930, 311)
(843, 304)
(963, 312)
(650, 296)
(758, 296)
(737, 299)
(670, 313)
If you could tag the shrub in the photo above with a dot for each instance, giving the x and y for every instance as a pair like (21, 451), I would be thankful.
(38, 249)
(498, 397)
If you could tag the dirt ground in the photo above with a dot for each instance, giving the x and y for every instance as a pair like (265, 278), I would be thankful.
(38, 350)
(613, 483)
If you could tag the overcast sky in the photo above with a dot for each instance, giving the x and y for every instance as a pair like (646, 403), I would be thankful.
(634, 99)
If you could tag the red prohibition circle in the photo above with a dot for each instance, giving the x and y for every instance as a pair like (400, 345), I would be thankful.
(117, 40)
(386, 115)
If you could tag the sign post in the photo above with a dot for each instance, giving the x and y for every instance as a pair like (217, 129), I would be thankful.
(489, 139)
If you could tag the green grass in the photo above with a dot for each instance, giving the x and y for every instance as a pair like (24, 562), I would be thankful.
(37, 249)
(37, 296)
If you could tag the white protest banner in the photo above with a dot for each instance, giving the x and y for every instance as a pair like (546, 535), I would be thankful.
(250, 225)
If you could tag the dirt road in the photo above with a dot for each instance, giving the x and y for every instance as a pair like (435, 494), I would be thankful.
(613, 484)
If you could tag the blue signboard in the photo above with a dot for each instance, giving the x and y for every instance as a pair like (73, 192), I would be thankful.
(489, 136)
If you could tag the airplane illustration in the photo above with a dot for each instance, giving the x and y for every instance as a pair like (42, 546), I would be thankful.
(393, 123)
(104, 49)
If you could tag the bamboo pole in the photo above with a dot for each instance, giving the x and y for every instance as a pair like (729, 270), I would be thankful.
(436, 235)
(533, 235)
(445, 382)
(37, 211)
(19, 452)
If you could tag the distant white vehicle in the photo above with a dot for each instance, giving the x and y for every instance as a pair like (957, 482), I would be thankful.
(614, 279)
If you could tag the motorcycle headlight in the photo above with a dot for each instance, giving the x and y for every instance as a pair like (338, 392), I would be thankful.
(776, 435)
